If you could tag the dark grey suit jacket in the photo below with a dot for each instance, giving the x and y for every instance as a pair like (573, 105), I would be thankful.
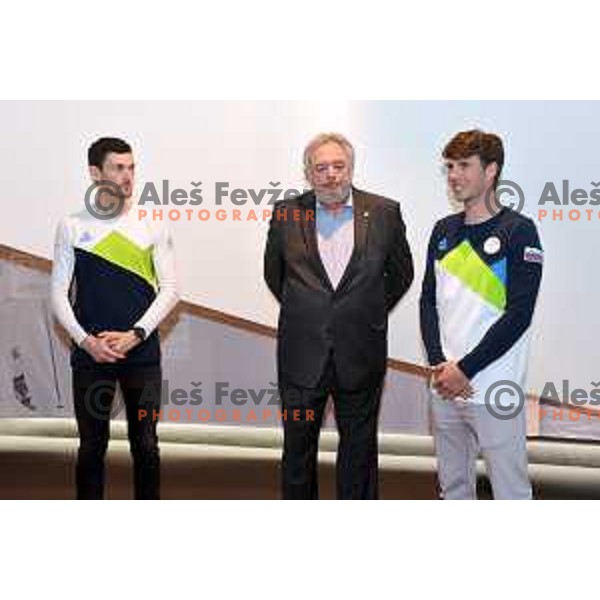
(351, 320)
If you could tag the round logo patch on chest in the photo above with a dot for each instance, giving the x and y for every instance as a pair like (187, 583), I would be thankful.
(492, 245)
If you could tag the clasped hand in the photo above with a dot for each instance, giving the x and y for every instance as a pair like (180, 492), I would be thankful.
(110, 346)
(450, 382)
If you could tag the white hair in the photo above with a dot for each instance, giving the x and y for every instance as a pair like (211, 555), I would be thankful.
(327, 138)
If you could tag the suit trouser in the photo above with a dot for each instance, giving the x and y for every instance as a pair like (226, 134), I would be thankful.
(93, 396)
(356, 414)
(461, 430)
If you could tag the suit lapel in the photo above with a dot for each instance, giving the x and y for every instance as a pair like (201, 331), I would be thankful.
(361, 230)
(362, 219)
(309, 231)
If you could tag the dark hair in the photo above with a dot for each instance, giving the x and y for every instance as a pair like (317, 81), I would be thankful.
(487, 146)
(100, 148)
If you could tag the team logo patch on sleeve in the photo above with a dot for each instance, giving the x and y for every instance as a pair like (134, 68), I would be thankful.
(533, 255)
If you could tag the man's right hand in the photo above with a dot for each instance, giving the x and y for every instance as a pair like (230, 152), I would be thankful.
(100, 351)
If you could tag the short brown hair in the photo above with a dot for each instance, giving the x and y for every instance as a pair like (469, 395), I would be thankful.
(98, 151)
(487, 146)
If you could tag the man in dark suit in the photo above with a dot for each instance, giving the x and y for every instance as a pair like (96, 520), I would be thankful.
(338, 261)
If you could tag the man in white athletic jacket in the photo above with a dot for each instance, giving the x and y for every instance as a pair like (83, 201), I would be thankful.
(113, 282)
(484, 267)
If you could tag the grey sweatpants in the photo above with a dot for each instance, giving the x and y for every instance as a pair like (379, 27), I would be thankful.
(463, 429)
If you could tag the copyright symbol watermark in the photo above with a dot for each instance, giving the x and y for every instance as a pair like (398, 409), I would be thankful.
(113, 200)
(504, 400)
(515, 201)
(100, 401)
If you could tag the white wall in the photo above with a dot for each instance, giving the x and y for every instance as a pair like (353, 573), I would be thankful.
(43, 176)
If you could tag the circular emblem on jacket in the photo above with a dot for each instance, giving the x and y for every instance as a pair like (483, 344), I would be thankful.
(492, 245)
